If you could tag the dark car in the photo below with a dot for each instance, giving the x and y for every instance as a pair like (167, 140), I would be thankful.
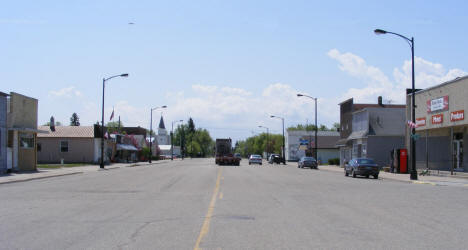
(362, 166)
(238, 156)
(306, 161)
(274, 158)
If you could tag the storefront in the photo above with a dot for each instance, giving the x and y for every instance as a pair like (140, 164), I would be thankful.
(441, 131)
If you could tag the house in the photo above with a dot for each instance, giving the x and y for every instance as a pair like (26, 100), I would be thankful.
(70, 144)
(371, 130)
(299, 142)
(3, 132)
(22, 132)
(441, 132)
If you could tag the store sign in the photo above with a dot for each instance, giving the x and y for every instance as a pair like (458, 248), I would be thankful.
(437, 119)
(420, 122)
(439, 104)
(457, 115)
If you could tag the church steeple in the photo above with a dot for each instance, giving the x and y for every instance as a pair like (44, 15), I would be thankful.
(161, 123)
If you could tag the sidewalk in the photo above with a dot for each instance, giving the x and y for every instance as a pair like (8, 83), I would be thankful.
(450, 180)
(47, 173)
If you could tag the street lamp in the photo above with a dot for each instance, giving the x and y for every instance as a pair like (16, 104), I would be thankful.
(413, 172)
(151, 131)
(172, 134)
(268, 142)
(316, 128)
(102, 121)
(282, 119)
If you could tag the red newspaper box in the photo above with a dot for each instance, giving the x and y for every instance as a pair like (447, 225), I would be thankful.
(403, 160)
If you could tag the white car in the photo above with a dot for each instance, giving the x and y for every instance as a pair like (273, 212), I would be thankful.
(255, 159)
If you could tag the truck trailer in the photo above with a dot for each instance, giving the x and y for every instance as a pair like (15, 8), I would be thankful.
(224, 155)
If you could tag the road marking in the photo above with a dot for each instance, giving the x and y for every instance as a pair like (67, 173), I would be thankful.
(423, 182)
(206, 224)
(221, 195)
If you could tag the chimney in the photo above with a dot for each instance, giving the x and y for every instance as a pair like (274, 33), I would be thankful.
(379, 100)
(52, 124)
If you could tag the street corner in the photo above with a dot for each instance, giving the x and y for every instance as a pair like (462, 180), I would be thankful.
(442, 183)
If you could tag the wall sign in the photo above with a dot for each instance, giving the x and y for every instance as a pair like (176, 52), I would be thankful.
(421, 122)
(437, 119)
(457, 115)
(438, 104)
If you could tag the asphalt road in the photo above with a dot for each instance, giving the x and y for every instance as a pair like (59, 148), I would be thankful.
(194, 203)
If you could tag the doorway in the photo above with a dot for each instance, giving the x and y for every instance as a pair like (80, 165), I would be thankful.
(458, 151)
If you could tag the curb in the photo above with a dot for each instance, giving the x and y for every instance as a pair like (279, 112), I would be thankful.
(40, 177)
(380, 177)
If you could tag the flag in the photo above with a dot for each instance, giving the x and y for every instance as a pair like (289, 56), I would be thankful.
(112, 115)
(412, 124)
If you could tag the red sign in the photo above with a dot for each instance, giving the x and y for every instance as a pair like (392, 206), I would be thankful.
(437, 119)
(438, 104)
(457, 115)
(421, 122)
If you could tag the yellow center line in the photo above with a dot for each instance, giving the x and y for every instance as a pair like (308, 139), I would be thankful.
(221, 195)
(206, 224)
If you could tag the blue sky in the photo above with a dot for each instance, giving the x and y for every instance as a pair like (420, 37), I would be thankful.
(228, 64)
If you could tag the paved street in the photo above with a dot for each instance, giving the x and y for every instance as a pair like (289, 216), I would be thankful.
(194, 203)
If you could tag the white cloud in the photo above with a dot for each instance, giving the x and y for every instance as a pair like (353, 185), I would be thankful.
(66, 92)
(427, 74)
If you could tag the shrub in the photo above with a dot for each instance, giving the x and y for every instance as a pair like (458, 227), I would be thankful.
(334, 161)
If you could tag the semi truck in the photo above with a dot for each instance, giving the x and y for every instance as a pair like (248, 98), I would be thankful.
(224, 155)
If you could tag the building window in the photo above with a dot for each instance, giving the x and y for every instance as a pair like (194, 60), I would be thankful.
(64, 146)
(27, 141)
(39, 147)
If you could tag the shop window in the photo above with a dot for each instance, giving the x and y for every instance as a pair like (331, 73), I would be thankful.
(27, 141)
(64, 146)
(39, 147)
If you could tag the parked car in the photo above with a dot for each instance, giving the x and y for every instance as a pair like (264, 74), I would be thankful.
(238, 156)
(274, 158)
(255, 159)
(362, 166)
(307, 161)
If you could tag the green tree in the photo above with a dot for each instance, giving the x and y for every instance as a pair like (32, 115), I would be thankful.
(113, 126)
(74, 120)
(260, 143)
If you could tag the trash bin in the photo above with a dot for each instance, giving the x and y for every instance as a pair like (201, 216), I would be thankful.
(400, 161)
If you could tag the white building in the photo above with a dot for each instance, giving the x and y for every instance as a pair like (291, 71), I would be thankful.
(162, 137)
(298, 142)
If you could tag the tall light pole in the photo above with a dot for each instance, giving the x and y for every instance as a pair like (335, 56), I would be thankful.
(316, 128)
(413, 172)
(102, 121)
(268, 141)
(151, 131)
(282, 119)
(172, 136)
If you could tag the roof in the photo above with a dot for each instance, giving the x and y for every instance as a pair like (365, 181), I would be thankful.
(161, 123)
(358, 106)
(442, 84)
(312, 132)
(67, 132)
(3, 94)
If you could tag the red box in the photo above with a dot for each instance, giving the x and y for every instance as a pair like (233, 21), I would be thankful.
(403, 160)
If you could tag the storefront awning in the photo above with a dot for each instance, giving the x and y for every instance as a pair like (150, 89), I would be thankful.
(341, 143)
(357, 135)
(126, 147)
